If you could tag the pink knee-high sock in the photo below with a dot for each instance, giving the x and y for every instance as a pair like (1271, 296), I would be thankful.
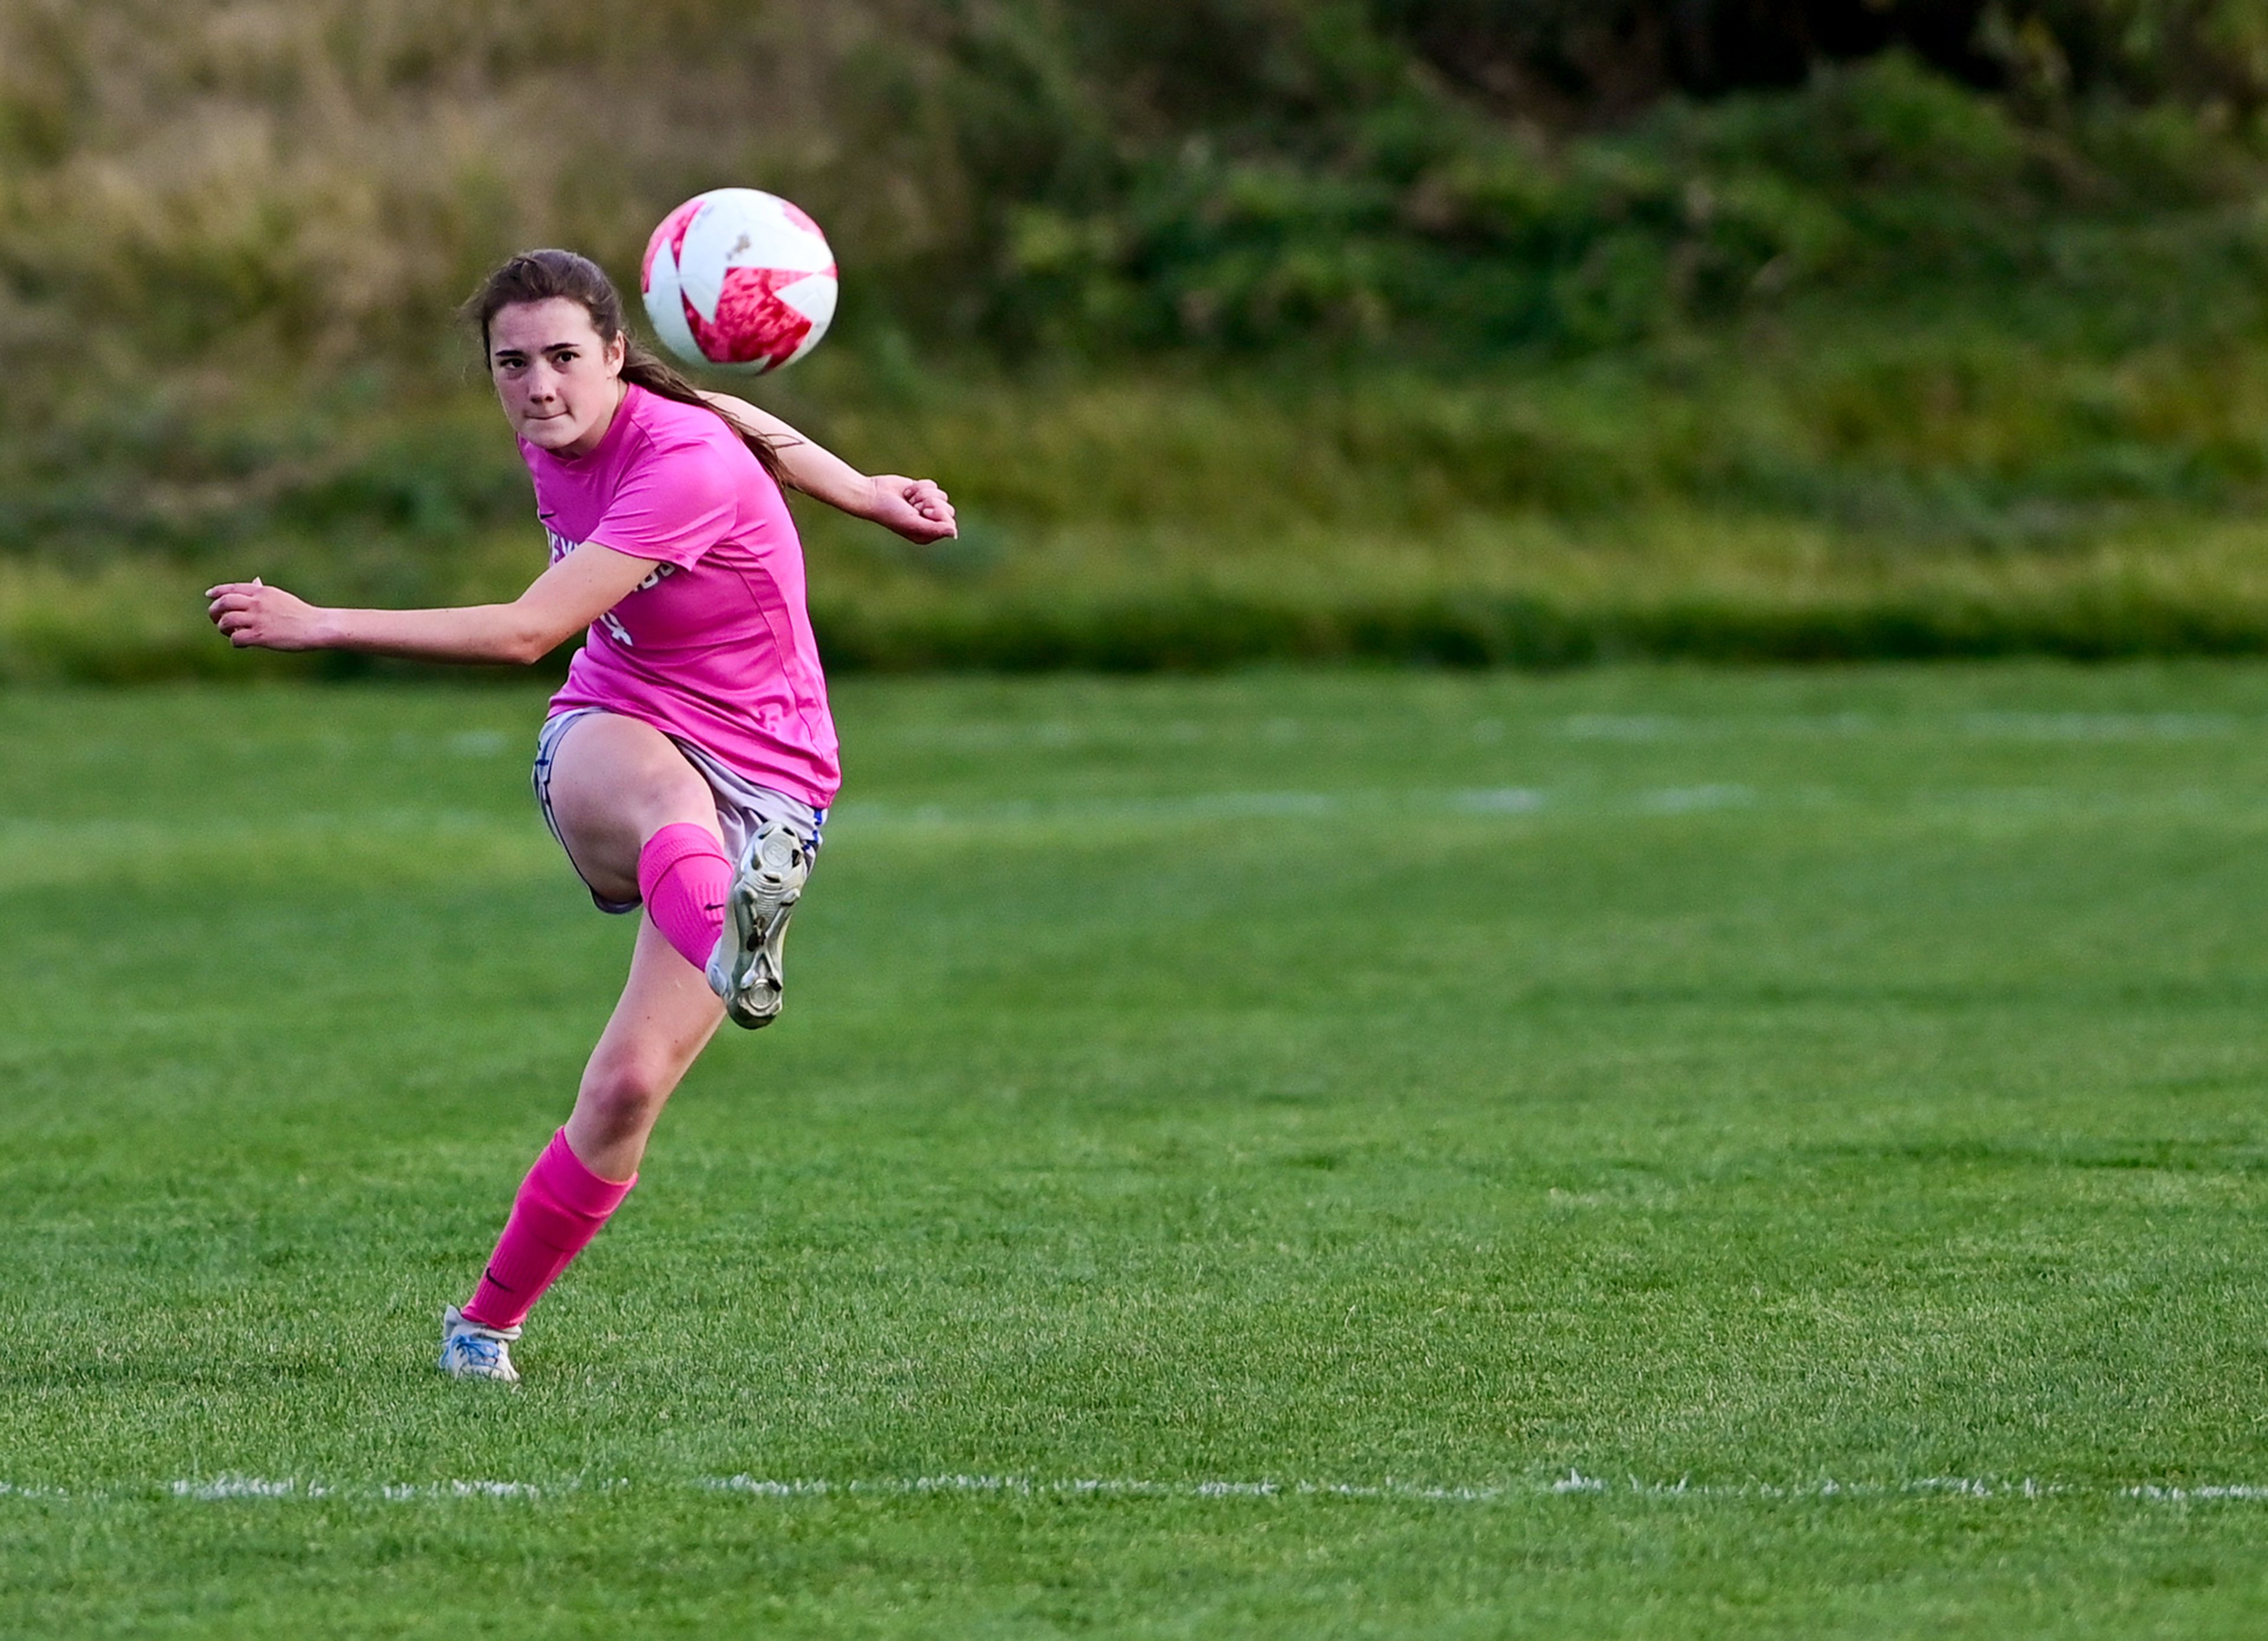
(560, 1207)
(685, 879)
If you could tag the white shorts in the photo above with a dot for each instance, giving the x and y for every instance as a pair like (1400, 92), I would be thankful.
(741, 805)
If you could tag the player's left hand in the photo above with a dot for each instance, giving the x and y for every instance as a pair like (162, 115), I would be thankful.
(916, 508)
(251, 614)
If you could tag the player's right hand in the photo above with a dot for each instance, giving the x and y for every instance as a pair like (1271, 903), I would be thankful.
(252, 615)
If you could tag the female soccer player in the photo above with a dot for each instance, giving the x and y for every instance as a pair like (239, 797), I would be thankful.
(688, 761)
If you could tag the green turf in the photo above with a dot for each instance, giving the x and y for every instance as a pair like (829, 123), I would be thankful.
(1508, 1100)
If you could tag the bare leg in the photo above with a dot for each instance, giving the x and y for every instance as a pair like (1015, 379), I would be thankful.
(667, 1016)
(614, 783)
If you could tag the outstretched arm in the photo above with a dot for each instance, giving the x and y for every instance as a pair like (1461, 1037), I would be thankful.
(916, 508)
(560, 603)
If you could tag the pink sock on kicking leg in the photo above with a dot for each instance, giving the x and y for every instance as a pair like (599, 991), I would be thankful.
(560, 1207)
(685, 879)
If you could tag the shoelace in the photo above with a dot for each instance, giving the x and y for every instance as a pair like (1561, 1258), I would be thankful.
(481, 1352)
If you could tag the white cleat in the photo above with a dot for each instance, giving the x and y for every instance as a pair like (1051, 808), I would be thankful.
(468, 1351)
(745, 969)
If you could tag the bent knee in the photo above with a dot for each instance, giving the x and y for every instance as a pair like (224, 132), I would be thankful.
(628, 1090)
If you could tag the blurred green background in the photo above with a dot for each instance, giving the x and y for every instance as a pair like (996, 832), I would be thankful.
(1431, 330)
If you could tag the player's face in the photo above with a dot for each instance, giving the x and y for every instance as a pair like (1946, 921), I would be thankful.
(558, 381)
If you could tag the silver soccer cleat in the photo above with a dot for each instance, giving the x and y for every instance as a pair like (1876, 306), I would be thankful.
(745, 969)
(468, 1351)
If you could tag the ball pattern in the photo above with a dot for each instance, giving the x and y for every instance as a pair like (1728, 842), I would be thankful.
(739, 280)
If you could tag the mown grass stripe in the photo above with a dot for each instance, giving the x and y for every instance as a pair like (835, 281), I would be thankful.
(229, 1488)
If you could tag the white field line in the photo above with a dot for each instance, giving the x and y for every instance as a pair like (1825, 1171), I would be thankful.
(228, 1488)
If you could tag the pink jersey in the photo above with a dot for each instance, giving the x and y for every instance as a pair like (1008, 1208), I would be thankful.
(715, 647)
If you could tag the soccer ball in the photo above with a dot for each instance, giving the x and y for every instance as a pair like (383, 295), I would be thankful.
(739, 280)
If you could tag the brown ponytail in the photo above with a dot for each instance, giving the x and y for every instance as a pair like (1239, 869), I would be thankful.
(540, 275)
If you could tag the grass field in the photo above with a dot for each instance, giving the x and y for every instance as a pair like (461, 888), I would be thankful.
(1635, 1153)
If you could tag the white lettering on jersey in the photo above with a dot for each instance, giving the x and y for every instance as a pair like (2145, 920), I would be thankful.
(561, 547)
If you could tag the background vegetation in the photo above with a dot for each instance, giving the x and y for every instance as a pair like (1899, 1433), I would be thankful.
(1438, 329)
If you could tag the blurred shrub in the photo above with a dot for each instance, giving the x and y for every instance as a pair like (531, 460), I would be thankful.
(256, 184)
(1981, 276)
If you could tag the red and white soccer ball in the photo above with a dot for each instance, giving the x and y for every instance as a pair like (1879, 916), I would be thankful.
(739, 280)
